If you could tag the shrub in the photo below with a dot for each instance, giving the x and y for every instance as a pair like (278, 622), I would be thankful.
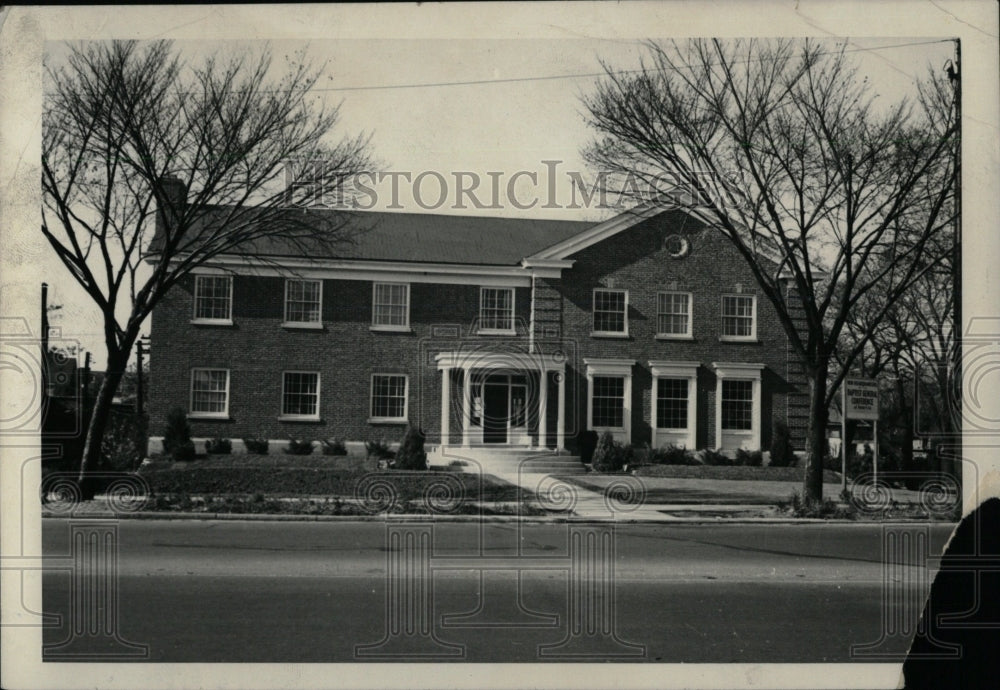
(411, 454)
(714, 457)
(218, 446)
(749, 458)
(177, 441)
(610, 455)
(672, 455)
(334, 446)
(124, 443)
(587, 442)
(299, 447)
(782, 454)
(256, 446)
(379, 450)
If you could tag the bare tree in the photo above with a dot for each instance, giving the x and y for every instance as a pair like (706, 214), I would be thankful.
(126, 125)
(828, 195)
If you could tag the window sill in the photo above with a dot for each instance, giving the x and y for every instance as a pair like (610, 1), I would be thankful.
(613, 429)
(211, 322)
(387, 420)
(293, 418)
(493, 331)
(302, 325)
(608, 334)
(749, 341)
(208, 416)
(665, 336)
(390, 329)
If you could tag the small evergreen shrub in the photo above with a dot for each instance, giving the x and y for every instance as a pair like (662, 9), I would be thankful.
(610, 455)
(256, 446)
(299, 447)
(411, 454)
(710, 456)
(334, 446)
(177, 441)
(124, 443)
(749, 458)
(587, 443)
(673, 455)
(379, 450)
(782, 454)
(218, 446)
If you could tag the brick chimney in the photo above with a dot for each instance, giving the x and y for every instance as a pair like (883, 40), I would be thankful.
(176, 193)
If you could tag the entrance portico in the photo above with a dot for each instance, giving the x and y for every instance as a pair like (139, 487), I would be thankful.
(504, 398)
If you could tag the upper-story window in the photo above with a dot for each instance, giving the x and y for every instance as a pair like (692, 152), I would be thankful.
(610, 312)
(496, 310)
(303, 302)
(739, 317)
(673, 314)
(391, 306)
(213, 299)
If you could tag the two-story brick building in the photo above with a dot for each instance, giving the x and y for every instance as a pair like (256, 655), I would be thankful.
(484, 332)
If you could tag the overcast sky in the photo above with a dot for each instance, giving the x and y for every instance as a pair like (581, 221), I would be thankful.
(524, 109)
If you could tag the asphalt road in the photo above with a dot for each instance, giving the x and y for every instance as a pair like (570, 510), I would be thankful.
(234, 591)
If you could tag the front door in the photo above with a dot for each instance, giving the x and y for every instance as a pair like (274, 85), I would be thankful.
(495, 412)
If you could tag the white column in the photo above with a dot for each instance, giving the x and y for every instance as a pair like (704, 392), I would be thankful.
(561, 419)
(590, 399)
(627, 411)
(466, 405)
(755, 422)
(653, 395)
(445, 406)
(692, 437)
(718, 411)
(543, 407)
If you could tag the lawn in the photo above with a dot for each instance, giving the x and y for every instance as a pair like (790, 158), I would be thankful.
(345, 477)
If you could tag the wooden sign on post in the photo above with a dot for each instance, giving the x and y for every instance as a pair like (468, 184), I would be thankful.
(860, 401)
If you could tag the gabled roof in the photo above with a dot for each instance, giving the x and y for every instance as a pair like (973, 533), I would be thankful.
(427, 237)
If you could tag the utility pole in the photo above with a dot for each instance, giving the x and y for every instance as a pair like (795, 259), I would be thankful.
(141, 348)
(86, 383)
(954, 71)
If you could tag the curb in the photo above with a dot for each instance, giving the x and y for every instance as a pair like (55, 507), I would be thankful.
(410, 518)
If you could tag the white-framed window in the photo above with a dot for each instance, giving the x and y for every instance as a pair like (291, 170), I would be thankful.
(389, 398)
(391, 306)
(674, 397)
(738, 405)
(673, 314)
(739, 317)
(608, 402)
(610, 312)
(209, 393)
(496, 310)
(300, 395)
(213, 299)
(609, 396)
(303, 302)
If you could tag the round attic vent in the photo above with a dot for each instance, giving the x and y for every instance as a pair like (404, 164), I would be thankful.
(677, 246)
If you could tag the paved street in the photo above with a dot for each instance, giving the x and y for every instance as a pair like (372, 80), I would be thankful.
(311, 592)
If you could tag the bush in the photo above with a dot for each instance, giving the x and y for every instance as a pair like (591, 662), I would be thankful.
(782, 454)
(411, 454)
(334, 446)
(124, 443)
(586, 442)
(749, 458)
(714, 457)
(218, 446)
(256, 446)
(672, 455)
(177, 441)
(610, 455)
(379, 450)
(299, 447)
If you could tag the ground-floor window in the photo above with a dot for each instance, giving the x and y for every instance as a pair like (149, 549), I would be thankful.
(737, 405)
(300, 395)
(388, 402)
(210, 392)
(671, 403)
(608, 402)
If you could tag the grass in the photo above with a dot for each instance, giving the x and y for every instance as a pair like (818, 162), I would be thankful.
(278, 476)
(737, 472)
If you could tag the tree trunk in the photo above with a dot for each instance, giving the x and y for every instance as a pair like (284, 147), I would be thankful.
(812, 483)
(99, 417)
